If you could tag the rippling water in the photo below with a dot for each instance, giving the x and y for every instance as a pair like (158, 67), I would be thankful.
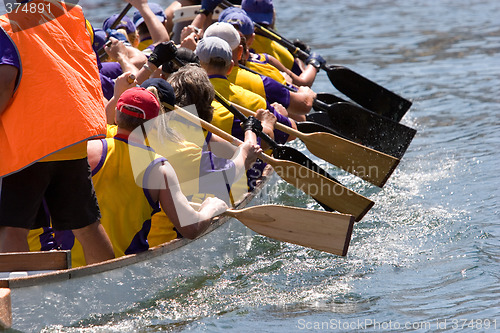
(429, 250)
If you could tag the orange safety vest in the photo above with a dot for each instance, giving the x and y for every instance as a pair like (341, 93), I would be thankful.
(58, 102)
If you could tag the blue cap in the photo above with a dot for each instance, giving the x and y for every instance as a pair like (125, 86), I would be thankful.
(125, 23)
(213, 47)
(165, 90)
(260, 11)
(240, 19)
(155, 8)
(228, 11)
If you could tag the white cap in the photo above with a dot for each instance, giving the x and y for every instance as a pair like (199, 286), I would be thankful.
(213, 47)
(225, 31)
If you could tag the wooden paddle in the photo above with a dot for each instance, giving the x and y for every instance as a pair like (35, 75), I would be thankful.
(355, 123)
(6, 309)
(386, 136)
(319, 230)
(364, 162)
(322, 189)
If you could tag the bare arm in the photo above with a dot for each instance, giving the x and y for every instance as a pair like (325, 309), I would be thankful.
(301, 103)
(94, 152)
(122, 83)
(8, 75)
(305, 79)
(189, 222)
(156, 29)
(129, 58)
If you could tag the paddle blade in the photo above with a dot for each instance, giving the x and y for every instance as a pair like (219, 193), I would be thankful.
(379, 133)
(328, 98)
(324, 190)
(371, 129)
(367, 93)
(324, 231)
(368, 164)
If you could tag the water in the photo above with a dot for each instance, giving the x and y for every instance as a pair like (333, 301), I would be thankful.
(428, 254)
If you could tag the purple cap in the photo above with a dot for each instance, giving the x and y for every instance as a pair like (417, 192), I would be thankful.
(155, 8)
(260, 11)
(99, 39)
(228, 11)
(125, 23)
(238, 18)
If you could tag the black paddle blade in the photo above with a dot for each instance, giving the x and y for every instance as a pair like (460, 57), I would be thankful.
(328, 98)
(291, 154)
(313, 125)
(366, 128)
(367, 93)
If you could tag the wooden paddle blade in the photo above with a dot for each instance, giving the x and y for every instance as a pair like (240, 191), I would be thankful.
(368, 164)
(366, 128)
(321, 188)
(5, 309)
(324, 231)
(367, 93)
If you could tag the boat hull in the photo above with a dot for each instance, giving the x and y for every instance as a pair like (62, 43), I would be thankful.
(67, 296)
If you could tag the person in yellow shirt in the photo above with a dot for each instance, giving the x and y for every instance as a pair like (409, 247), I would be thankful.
(262, 12)
(297, 103)
(132, 181)
(150, 22)
(205, 164)
(264, 63)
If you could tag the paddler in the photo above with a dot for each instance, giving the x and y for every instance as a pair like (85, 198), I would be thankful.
(298, 103)
(205, 164)
(215, 56)
(262, 12)
(50, 105)
(264, 63)
(132, 181)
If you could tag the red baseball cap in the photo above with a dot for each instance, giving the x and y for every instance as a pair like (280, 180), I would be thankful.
(142, 101)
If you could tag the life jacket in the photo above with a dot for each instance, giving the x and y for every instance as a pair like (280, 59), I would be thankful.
(58, 102)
